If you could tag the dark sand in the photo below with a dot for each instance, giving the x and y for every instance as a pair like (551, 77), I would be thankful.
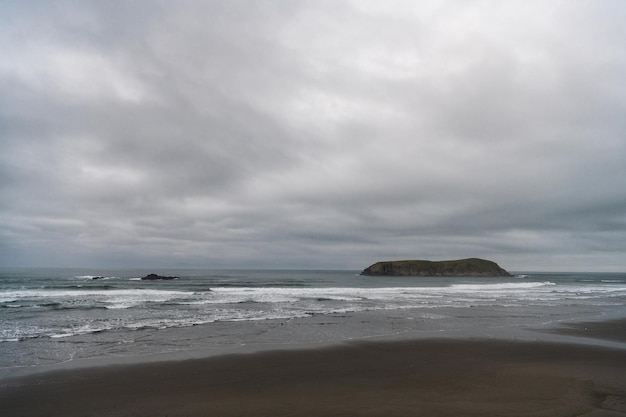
(411, 378)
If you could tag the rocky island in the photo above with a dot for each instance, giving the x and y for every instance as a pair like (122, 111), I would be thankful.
(154, 277)
(471, 267)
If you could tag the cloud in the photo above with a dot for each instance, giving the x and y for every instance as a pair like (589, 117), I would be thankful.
(312, 134)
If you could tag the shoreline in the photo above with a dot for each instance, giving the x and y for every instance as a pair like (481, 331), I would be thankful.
(434, 377)
(321, 331)
(409, 377)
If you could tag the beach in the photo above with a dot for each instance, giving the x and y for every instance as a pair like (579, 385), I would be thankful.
(310, 343)
(427, 377)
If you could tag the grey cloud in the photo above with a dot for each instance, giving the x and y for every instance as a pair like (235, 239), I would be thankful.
(308, 134)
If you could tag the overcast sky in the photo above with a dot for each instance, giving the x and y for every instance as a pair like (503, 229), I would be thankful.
(313, 134)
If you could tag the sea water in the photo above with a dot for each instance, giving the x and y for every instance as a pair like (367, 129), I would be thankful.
(53, 316)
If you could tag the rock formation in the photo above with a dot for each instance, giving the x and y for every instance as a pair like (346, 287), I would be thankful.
(154, 277)
(471, 267)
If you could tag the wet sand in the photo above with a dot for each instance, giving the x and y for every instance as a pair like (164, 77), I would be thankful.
(607, 330)
(443, 377)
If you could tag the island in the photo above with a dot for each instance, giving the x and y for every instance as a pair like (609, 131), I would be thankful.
(154, 277)
(471, 267)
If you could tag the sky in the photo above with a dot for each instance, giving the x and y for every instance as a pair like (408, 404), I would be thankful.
(313, 134)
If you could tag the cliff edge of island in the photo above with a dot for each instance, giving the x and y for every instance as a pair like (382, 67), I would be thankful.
(470, 267)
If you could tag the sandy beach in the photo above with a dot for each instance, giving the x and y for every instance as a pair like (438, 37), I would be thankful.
(431, 377)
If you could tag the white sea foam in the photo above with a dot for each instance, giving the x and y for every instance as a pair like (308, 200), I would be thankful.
(46, 319)
(286, 295)
(67, 311)
(61, 335)
(86, 293)
(501, 286)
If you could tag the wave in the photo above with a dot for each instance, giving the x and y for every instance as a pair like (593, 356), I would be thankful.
(131, 323)
(361, 295)
(260, 285)
(91, 291)
(90, 299)
(154, 307)
(95, 277)
(313, 298)
(61, 306)
(502, 286)
(78, 287)
(123, 305)
(48, 305)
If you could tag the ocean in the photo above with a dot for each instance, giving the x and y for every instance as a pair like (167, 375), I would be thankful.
(50, 317)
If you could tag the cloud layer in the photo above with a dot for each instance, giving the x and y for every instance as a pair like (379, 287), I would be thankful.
(308, 134)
